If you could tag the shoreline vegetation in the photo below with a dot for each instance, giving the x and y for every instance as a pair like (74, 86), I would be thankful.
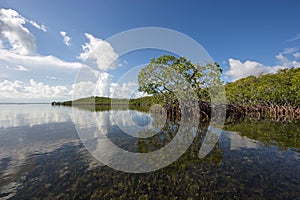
(267, 96)
(273, 112)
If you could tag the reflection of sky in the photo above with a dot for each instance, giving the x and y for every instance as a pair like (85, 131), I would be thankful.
(237, 141)
(134, 123)
(28, 130)
(30, 115)
(83, 119)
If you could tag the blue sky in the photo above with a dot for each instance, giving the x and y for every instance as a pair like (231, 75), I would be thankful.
(245, 37)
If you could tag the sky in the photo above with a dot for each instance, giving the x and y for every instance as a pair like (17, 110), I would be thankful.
(46, 46)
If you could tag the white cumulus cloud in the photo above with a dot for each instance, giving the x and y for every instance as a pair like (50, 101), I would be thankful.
(12, 30)
(99, 85)
(48, 70)
(36, 25)
(49, 78)
(240, 70)
(67, 39)
(82, 89)
(286, 62)
(29, 77)
(30, 91)
(98, 53)
(103, 84)
(125, 90)
(18, 68)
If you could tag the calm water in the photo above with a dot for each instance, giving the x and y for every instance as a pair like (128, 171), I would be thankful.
(42, 157)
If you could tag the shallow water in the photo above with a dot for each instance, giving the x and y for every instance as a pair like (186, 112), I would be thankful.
(42, 156)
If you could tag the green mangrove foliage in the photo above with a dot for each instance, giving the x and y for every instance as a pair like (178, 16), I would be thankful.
(161, 78)
(281, 88)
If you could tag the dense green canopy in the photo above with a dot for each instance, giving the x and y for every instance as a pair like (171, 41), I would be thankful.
(168, 74)
(281, 88)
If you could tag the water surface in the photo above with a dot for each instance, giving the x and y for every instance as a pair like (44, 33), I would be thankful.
(42, 157)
